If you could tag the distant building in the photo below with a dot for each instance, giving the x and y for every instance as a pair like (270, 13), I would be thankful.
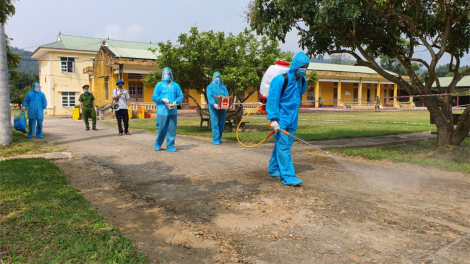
(125, 60)
(60, 70)
(350, 86)
(71, 62)
(463, 86)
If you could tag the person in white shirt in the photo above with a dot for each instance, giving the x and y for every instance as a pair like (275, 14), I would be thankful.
(121, 96)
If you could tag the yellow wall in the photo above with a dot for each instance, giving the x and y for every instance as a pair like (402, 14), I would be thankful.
(54, 82)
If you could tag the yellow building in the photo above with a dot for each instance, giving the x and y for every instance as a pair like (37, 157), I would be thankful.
(60, 71)
(350, 86)
(128, 61)
(71, 62)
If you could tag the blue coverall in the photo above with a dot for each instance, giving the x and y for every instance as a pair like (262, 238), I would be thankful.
(284, 108)
(36, 103)
(217, 116)
(166, 118)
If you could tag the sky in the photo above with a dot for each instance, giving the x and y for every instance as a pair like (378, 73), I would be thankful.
(38, 22)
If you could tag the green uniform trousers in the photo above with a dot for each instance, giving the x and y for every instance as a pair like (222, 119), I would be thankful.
(87, 113)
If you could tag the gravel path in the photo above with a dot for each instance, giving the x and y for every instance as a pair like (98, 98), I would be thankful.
(216, 204)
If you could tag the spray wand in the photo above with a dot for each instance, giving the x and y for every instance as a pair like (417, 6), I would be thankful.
(283, 131)
(303, 141)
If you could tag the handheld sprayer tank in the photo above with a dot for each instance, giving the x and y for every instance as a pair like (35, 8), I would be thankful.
(274, 70)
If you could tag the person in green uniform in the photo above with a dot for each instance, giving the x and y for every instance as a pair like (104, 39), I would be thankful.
(88, 107)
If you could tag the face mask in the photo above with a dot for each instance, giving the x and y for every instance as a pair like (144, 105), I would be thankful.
(217, 81)
(120, 85)
(86, 91)
(167, 77)
(36, 88)
(301, 72)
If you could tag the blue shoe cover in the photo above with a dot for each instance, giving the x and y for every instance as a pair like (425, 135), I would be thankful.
(156, 146)
(275, 175)
(215, 143)
(291, 181)
(171, 149)
(220, 141)
(28, 136)
(39, 136)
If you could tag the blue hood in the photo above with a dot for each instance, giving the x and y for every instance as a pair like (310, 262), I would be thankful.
(299, 60)
(165, 70)
(34, 84)
(215, 75)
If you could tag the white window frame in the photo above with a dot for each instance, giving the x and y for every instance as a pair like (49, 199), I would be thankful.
(67, 64)
(69, 97)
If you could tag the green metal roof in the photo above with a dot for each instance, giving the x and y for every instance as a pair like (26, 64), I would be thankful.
(342, 68)
(75, 43)
(122, 49)
(445, 81)
(136, 50)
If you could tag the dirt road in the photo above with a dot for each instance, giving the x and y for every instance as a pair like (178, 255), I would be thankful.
(216, 204)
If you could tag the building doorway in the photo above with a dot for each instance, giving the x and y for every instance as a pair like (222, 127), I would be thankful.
(355, 94)
(136, 92)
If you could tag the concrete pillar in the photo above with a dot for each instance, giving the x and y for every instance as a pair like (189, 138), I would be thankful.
(378, 92)
(203, 101)
(359, 101)
(395, 94)
(339, 93)
(317, 92)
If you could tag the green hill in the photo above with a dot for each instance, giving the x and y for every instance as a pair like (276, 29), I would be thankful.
(27, 64)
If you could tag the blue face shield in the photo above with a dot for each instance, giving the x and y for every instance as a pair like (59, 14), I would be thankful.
(218, 81)
(301, 72)
(167, 77)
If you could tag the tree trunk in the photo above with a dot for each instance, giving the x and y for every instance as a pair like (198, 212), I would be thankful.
(6, 136)
(441, 112)
(463, 128)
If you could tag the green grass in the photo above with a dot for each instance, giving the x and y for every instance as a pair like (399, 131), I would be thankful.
(22, 145)
(44, 220)
(422, 153)
(315, 126)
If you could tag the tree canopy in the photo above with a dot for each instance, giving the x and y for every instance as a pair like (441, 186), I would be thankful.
(241, 59)
(7, 9)
(366, 30)
(20, 86)
(13, 59)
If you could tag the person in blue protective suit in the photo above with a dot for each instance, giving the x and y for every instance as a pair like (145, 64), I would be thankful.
(282, 109)
(214, 90)
(167, 95)
(36, 102)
